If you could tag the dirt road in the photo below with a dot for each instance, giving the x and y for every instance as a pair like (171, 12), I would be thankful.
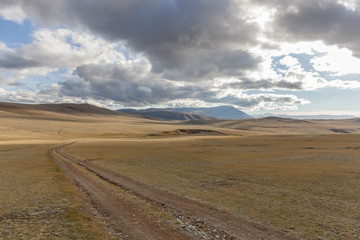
(126, 220)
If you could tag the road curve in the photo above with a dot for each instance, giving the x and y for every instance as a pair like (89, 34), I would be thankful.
(197, 220)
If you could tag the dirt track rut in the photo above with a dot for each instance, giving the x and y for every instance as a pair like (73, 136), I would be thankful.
(196, 220)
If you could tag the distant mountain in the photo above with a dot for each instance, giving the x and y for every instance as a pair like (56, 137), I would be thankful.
(304, 116)
(166, 114)
(221, 112)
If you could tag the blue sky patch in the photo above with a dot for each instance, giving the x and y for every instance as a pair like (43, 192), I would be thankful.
(14, 34)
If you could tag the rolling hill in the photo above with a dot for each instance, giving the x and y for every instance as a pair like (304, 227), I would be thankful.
(64, 108)
(166, 114)
(226, 168)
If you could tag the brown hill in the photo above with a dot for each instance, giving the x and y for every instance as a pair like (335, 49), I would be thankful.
(285, 126)
(63, 108)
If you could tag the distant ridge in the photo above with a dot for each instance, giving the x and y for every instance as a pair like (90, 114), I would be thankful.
(305, 117)
(221, 112)
(65, 108)
(166, 114)
(212, 113)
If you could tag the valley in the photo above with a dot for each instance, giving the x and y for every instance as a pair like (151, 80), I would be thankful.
(82, 172)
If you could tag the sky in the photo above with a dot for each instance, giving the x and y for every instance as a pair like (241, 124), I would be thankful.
(260, 56)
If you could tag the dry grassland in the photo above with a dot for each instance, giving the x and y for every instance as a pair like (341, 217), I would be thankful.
(36, 200)
(305, 185)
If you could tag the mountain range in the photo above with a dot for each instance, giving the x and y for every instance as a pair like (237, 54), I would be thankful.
(221, 112)
(165, 114)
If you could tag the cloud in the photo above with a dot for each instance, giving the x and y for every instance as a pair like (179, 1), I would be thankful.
(129, 84)
(214, 64)
(289, 61)
(260, 101)
(135, 85)
(264, 84)
(53, 50)
(59, 48)
(141, 52)
(28, 96)
(329, 21)
(12, 11)
(339, 62)
(169, 33)
(343, 84)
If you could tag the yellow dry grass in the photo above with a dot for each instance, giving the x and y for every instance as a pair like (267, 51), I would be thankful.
(306, 185)
(36, 200)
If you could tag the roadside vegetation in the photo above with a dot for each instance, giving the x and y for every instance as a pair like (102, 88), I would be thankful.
(37, 201)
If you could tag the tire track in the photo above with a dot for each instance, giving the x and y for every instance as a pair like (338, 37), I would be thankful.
(199, 220)
(124, 218)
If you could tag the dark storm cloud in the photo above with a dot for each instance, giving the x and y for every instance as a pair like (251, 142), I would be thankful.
(248, 84)
(212, 64)
(169, 32)
(191, 39)
(111, 81)
(15, 61)
(186, 43)
(123, 85)
(321, 20)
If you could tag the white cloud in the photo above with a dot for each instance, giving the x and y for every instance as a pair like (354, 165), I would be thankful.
(3, 47)
(349, 4)
(60, 48)
(66, 48)
(55, 49)
(312, 80)
(196, 54)
(338, 61)
(263, 101)
(289, 61)
(28, 96)
(343, 84)
(21, 76)
(13, 13)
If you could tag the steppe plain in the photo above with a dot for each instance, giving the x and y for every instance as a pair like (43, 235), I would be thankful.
(266, 178)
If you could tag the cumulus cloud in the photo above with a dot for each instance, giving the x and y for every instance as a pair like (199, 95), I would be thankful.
(329, 21)
(12, 11)
(140, 52)
(59, 48)
(289, 61)
(261, 101)
(39, 97)
(338, 62)
(168, 32)
(130, 84)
